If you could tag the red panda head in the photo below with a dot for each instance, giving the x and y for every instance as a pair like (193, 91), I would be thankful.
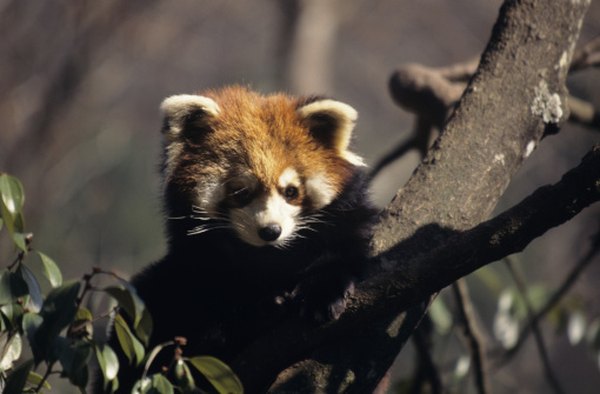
(260, 165)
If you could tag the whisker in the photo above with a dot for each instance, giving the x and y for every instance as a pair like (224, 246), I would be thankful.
(205, 228)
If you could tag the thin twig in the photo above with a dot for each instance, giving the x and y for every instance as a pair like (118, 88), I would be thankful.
(558, 295)
(407, 285)
(44, 378)
(584, 113)
(587, 56)
(539, 339)
(460, 72)
(419, 141)
(473, 334)
(427, 371)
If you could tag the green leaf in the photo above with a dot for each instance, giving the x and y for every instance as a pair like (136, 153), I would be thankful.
(183, 376)
(132, 347)
(18, 378)
(15, 226)
(51, 270)
(1, 223)
(12, 286)
(538, 296)
(35, 379)
(11, 346)
(144, 328)
(114, 385)
(11, 206)
(82, 324)
(30, 323)
(506, 323)
(155, 384)
(11, 193)
(108, 362)
(112, 363)
(19, 240)
(160, 385)
(441, 317)
(11, 314)
(74, 357)
(35, 291)
(60, 307)
(223, 379)
(128, 300)
(58, 311)
(141, 386)
(5, 288)
(576, 327)
(462, 367)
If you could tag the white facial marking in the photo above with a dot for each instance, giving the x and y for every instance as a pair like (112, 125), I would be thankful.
(271, 209)
(320, 191)
(288, 177)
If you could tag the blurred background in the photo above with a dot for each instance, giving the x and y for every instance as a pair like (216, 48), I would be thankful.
(80, 87)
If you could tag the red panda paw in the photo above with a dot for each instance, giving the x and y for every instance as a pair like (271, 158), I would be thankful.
(322, 302)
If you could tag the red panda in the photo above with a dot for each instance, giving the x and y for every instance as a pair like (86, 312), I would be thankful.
(267, 212)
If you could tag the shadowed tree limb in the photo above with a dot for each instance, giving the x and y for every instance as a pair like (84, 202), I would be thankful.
(422, 238)
(413, 280)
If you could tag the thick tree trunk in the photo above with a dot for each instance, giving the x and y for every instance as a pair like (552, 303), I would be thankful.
(516, 97)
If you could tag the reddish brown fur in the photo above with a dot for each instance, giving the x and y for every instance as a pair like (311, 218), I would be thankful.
(262, 133)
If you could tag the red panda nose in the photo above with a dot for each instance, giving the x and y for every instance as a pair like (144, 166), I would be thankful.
(270, 232)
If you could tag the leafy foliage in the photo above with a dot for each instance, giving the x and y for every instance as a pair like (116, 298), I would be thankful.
(58, 329)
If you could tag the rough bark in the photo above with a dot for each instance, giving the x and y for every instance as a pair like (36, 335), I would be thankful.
(409, 283)
(516, 97)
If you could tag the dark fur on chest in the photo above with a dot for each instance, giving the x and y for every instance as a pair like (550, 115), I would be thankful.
(220, 293)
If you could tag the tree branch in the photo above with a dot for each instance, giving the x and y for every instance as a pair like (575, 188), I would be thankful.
(556, 297)
(517, 94)
(426, 374)
(588, 56)
(537, 333)
(430, 93)
(419, 140)
(584, 113)
(473, 334)
(415, 279)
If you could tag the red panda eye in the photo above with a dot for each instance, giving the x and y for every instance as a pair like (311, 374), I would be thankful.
(241, 196)
(290, 192)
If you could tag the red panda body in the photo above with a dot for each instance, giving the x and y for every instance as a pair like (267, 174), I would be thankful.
(267, 213)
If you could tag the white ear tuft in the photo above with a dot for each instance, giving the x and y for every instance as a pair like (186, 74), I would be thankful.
(332, 122)
(177, 108)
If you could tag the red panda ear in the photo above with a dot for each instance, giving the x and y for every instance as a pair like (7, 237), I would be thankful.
(331, 123)
(186, 110)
